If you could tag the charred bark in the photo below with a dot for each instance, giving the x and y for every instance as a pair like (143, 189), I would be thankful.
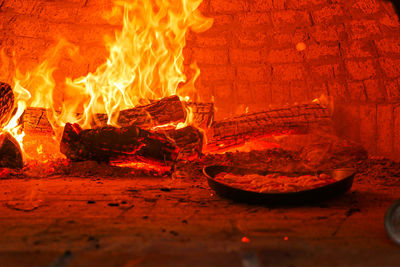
(166, 110)
(203, 114)
(10, 152)
(116, 144)
(6, 103)
(189, 140)
(297, 119)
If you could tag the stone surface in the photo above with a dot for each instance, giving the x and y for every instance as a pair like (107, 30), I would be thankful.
(129, 221)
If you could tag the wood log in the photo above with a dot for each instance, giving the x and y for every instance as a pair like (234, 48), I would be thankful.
(189, 140)
(116, 144)
(163, 111)
(203, 113)
(298, 119)
(6, 103)
(10, 152)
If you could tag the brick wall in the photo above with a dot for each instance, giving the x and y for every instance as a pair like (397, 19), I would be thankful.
(249, 59)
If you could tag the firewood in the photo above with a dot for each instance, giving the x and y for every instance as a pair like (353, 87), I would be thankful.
(203, 113)
(163, 111)
(116, 144)
(189, 140)
(10, 152)
(6, 103)
(298, 119)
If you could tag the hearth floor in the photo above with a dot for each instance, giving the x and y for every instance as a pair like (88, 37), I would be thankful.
(143, 221)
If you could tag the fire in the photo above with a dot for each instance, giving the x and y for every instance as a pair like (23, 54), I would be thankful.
(145, 62)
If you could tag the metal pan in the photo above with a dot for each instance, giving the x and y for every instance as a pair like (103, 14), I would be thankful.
(344, 177)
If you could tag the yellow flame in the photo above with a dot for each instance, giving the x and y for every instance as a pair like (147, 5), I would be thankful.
(145, 61)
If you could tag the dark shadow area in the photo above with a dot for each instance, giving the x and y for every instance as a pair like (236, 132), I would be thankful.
(396, 5)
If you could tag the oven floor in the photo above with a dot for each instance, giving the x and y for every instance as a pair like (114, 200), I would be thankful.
(67, 221)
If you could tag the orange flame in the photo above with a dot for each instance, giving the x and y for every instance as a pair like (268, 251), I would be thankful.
(145, 61)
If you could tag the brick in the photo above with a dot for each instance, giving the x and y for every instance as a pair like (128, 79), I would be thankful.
(287, 40)
(330, 14)
(384, 129)
(338, 91)
(232, 6)
(346, 119)
(210, 41)
(362, 8)
(222, 20)
(187, 54)
(290, 19)
(245, 93)
(327, 33)
(280, 94)
(325, 72)
(253, 19)
(391, 67)
(392, 90)
(299, 92)
(361, 69)
(58, 11)
(19, 6)
(390, 21)
(261, 5)
(322, 51)
(89, 16)
(262, 94)
(357, 92)
(259, 73)
(244, 56)
(316, 90)
(396, 129)
(225, 103)
(217, 73)
(306, 4)
(29, 27)
(210, 56)
(388, 46)
(30, 47)
(249, 39)
(223, 91)
(290, 55)
(368, 127)
(363, 29)
(288, 72)
(375, 91)
(358, 49)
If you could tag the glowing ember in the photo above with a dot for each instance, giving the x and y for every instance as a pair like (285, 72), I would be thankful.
(245, 239)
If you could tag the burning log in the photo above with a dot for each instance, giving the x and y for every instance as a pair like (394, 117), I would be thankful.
(116, 144)
(6, 103)
(10, 152)
(166, 110)
(297, 119)
(189, 140)
(203, 114)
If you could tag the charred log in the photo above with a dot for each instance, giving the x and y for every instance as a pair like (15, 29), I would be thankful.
(6, 103)
(297, 119)
(203, 114)
(10, 152)
(189, 140)
(166, 110)
(116, 144)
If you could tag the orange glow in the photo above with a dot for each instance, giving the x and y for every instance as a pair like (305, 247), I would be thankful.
(245, 239)
(145, 62)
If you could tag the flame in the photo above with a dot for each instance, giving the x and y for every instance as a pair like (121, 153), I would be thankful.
(145, 61)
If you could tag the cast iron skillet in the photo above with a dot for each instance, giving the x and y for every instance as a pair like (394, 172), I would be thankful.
(344, 182)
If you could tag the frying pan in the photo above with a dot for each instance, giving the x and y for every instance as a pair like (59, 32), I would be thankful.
(344, 177)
